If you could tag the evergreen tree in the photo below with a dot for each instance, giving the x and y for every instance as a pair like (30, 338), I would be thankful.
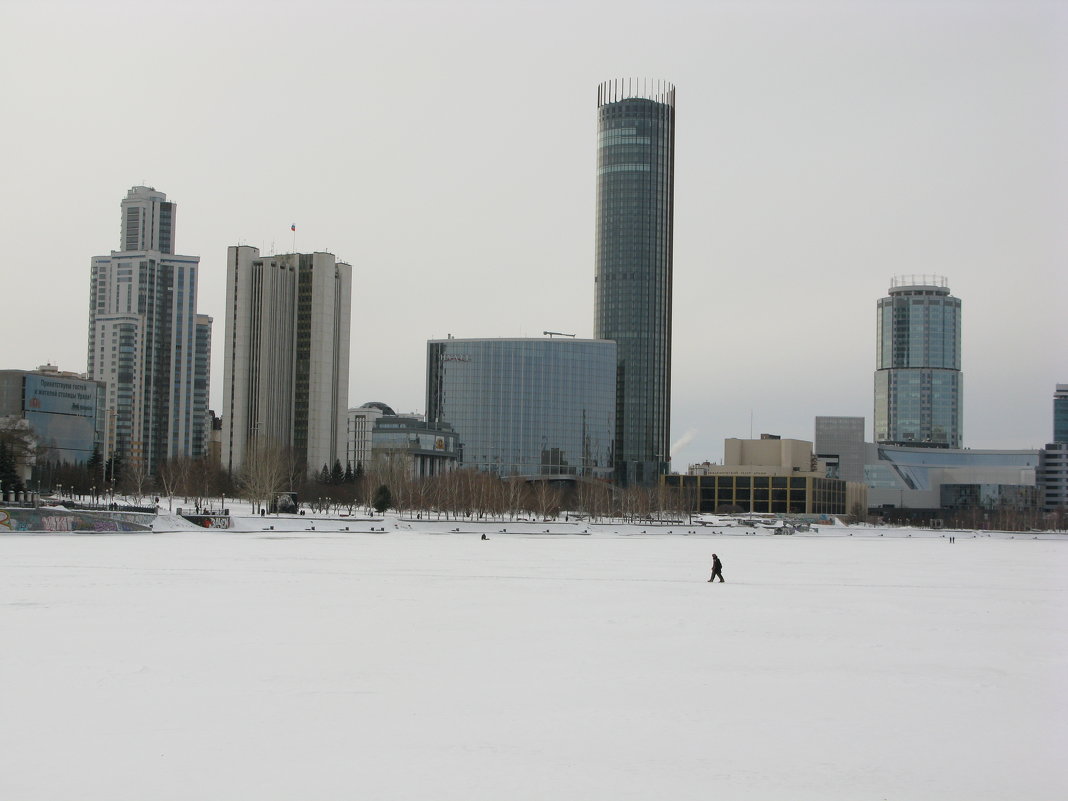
(383, 499)
(349, 477)
(9, 477)
(337, 475)
(324, 475)
(94, 464)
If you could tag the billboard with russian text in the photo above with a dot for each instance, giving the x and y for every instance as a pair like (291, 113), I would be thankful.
(59, 395)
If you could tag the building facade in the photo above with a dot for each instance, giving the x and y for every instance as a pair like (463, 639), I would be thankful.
(839, 445)
(286, 358)
(633, 270)
(771, 450)
(1053, 468)
(526, 407)
(918, 379)
(425, 449)
(770, 475)
(361, 424)
(1060, 413)
(1053, 477)
(753, 492)
(146, 340)
(913, 478)
(928, 479)
(62, 415)
(377, 432)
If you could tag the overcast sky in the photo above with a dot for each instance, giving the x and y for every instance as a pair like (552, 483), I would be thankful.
(447, 151)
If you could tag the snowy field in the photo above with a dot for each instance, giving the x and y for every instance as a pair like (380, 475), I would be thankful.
(411, 665)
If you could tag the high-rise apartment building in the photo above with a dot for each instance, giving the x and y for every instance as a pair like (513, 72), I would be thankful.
(633, 274)
(286, 361)
(1060, 413)
(146, 340)
(918, 380)
(1053, 470)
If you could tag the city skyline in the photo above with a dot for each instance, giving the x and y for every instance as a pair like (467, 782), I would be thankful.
(821, 150)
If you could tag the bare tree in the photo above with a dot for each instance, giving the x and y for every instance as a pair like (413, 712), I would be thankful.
(546, 499)
(392, 469)
(858, 512)
(266, 472)
(514, 491)
(173, 476)
(206, 479)
(593, 498)
(634, 504)
(135, 479)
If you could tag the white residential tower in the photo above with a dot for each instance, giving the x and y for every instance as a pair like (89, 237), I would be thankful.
(146, 340)
(286, 371)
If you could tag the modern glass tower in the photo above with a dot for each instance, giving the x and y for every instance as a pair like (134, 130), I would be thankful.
(918, 381)
(632, 295)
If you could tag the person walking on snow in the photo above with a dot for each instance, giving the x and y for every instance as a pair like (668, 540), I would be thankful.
(717, 569)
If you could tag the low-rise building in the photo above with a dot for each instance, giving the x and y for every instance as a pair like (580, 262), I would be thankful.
(376, 432)
(62, 413)
(927, 480)
(428, 449)
(769, 475)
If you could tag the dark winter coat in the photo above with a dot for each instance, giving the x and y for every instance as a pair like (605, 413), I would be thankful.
(717, 566)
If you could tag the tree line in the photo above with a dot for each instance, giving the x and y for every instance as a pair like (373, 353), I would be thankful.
(386, 483)
(463, 493)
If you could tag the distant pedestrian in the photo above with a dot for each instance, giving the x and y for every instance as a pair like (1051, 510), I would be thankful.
(717, 569)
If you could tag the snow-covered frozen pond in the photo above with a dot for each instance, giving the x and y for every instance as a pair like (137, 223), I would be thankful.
(316, 665)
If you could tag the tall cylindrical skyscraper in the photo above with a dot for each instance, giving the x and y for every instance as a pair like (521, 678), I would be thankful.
(918, 381)
(635, 212)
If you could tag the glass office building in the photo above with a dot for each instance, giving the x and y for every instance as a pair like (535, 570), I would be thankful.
(526, 407)
(918, 380)
(632, 297)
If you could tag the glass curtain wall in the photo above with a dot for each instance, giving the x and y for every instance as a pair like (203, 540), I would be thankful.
(526, 407)
(633, 273)
(918, 379)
